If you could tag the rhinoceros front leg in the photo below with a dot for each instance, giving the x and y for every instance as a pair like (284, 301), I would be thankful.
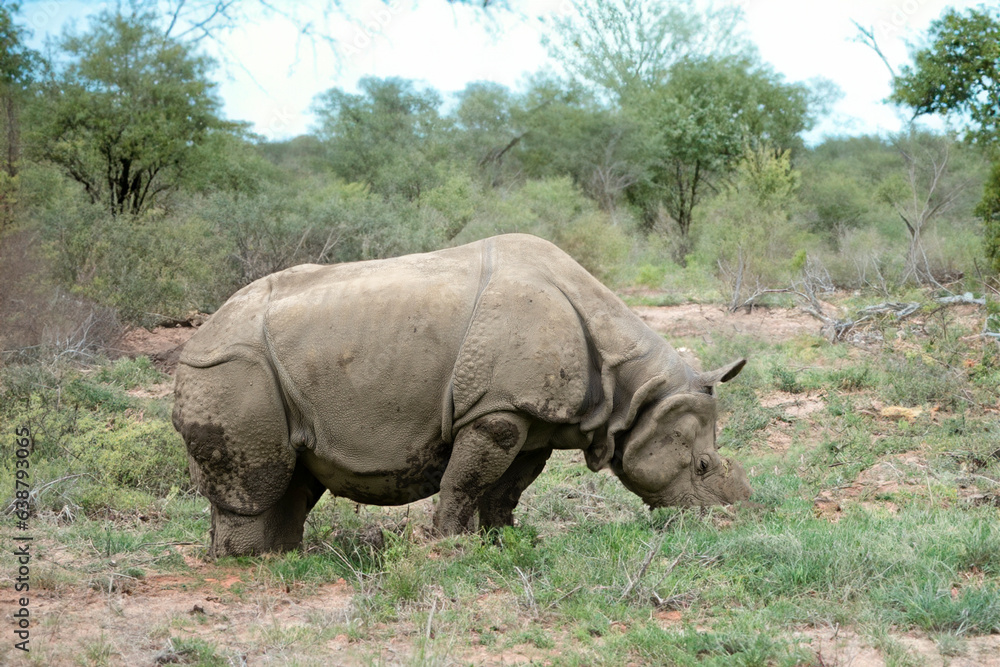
(279, 528)
(496, 506)
(483, 452)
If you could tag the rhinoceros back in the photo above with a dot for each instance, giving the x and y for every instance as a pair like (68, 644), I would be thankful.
(237, 328)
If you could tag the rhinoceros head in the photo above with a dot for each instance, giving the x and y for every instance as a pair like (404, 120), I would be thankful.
(669, 457)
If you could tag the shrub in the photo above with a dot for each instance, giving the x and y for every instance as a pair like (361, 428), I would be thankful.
(554, 209)
(129, 452)
(106, 449)
(651, 275)
(596, 244)
(916, 379)
(130, 373)
(989, 210)
(147, 267)
(753, 241)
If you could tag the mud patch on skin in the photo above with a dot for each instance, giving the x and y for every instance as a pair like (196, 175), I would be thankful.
(218, 468)
(261, 476)
(500, 431)
(206, 444)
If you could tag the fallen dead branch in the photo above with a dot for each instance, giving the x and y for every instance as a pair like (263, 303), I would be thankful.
(655, 549)
(838, 330)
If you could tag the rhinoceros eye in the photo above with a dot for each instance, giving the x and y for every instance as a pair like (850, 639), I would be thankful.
(702, 466)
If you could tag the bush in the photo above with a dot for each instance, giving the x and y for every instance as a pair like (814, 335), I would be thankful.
(108, 449)
(752, 239)
(357, 225)
(915, 379)
(261, 232)
(989, 210)
(130, 452)
(596, 244)
(147, 267)
(651, 275)
(554, 209)
(130, 373)
(866, 258)
(455, 200)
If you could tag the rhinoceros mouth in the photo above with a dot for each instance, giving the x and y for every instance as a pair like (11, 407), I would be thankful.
(682, 500)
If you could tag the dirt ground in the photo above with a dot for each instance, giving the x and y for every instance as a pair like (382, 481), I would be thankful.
(695, 320)
(162, 345)
(131, 624)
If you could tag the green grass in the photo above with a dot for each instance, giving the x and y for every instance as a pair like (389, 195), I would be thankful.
(130, 373)
(192, 651)
(589, 574)
(95, 448)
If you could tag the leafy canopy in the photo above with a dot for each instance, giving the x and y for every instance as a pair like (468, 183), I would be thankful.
(18, 63)
(685, 90)
(388, 136)
(618, 45)
(696, 123)
(124, 114)
(958, 73)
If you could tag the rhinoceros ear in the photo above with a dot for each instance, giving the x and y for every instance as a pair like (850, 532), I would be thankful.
(622, 415)
(724, 374)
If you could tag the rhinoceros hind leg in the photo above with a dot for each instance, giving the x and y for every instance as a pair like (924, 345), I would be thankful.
(496, 506)
(482, 453)
(277, 529)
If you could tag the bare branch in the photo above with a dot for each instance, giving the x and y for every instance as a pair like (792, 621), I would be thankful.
(655, 549)
(867, 37)
(173, 18)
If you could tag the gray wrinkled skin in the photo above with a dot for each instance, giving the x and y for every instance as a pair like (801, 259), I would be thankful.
(455, 372)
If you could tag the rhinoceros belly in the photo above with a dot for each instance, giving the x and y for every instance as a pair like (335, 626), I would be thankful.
(418, 479)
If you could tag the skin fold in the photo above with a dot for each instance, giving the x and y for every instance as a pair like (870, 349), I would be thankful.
(456, 372)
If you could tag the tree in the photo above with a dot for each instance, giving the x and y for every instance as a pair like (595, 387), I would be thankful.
(958, 74)
(485, 128)
(695, 126)
(753, 240)
(989, 210)
(122, 118)
(388, 137)
(840, 179)
(928, 190)
(619, 45)
(553, 129)
(691, 91)
(18, 65)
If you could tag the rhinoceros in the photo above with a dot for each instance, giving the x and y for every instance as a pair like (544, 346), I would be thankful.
(455, 372)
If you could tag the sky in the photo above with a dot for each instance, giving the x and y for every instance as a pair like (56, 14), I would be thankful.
(269, 74)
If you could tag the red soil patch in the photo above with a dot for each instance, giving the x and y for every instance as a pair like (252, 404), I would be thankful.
(162, 344)
(694, 320)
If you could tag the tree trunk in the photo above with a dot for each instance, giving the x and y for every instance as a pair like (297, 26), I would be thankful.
(11, 155)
